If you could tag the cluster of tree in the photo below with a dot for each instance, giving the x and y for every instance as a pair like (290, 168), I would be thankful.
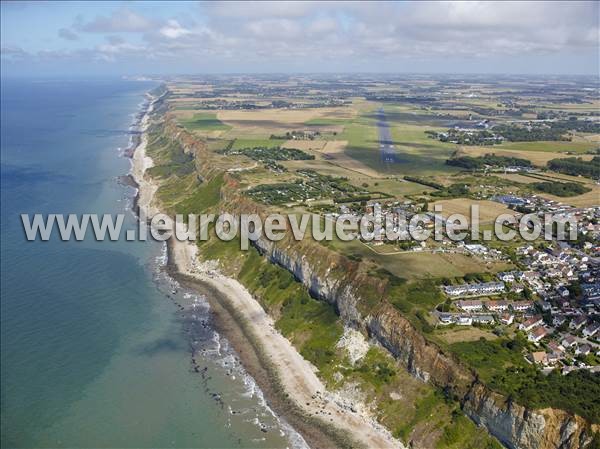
(577, 392)
(424, 182)
(533, 133)
(303, 135)
(264, 154)
(478, 163)
(546, 131)
(456, 190)
(572, 124)
(576, 166)
(561, 188)
(470, 137)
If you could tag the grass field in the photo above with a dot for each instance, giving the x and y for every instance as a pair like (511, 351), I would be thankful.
(316, 145)
(550, 146)
(337, 152)
(588, 199)
(463, 333)
(397, 187)
(488, 210)
(204, 121)
(268, 121)
(419, 265)
(516, 178)
(539, 158)
(326, 121)
(253, 143)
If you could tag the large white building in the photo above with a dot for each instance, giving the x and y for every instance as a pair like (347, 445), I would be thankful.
(485, 288)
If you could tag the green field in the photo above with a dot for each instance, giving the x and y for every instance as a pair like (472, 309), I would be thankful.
(415, 265)
(550, 146)
(238, 144)
(325, 121)
(204, 121)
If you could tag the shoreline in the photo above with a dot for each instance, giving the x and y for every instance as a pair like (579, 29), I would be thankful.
(288, 381)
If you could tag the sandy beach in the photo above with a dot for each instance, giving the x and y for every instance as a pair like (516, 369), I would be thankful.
(295, 375)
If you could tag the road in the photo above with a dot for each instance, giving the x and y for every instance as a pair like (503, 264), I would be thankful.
(386, 144)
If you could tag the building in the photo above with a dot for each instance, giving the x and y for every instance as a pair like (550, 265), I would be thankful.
(538, 357)
(545, 306)
(496, 306)
(484, 288)
(537, 334)
(591, 330)
(507, 318)
(532, 322)
(583, 350)
(464, 320)
(445, 318)
(470, 306)
(577, 322)
(509, 276)
(555, 347)
(522, 306)
(591, 292)
(568, 341)
(483, 319)
(552, 358)
(558, 320)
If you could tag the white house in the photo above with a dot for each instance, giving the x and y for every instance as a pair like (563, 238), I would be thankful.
(521, 306)
(470, 306)
(530, 323)
(537, 334)
(568, 341)
(591, 330)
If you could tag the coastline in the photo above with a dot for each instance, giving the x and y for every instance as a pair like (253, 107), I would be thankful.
(288, 381)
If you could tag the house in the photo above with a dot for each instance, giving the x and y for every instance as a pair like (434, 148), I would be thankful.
(469, 306)
(521, 306)
(555, 348)
(563, 291)
(544, 305)
(591, 291)
(591, 330)
(485, 288)
(483, 319)
(464, 320)
(509, 276)
(517, 287)
(568, 341)
(532, 322)
(537, 334)
(559, 320)
(578, 322)
(552, 358)
(538, 357)
(583, 350)
(507, 318)
(445, 318)
(497, 306)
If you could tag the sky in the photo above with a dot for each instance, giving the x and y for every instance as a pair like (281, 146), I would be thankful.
(147, 38)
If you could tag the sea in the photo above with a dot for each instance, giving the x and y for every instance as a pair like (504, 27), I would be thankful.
(99, 346)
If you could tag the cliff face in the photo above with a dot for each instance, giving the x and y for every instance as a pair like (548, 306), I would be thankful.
(514, 425)
(345, 284)
(519, 427)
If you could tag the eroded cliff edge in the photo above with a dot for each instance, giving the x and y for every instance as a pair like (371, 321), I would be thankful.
(363, 302)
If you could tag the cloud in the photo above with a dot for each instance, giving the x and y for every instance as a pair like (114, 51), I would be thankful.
(122, 20)
(361, 35)
(173, 30)
(67, 34)
(13, 52)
